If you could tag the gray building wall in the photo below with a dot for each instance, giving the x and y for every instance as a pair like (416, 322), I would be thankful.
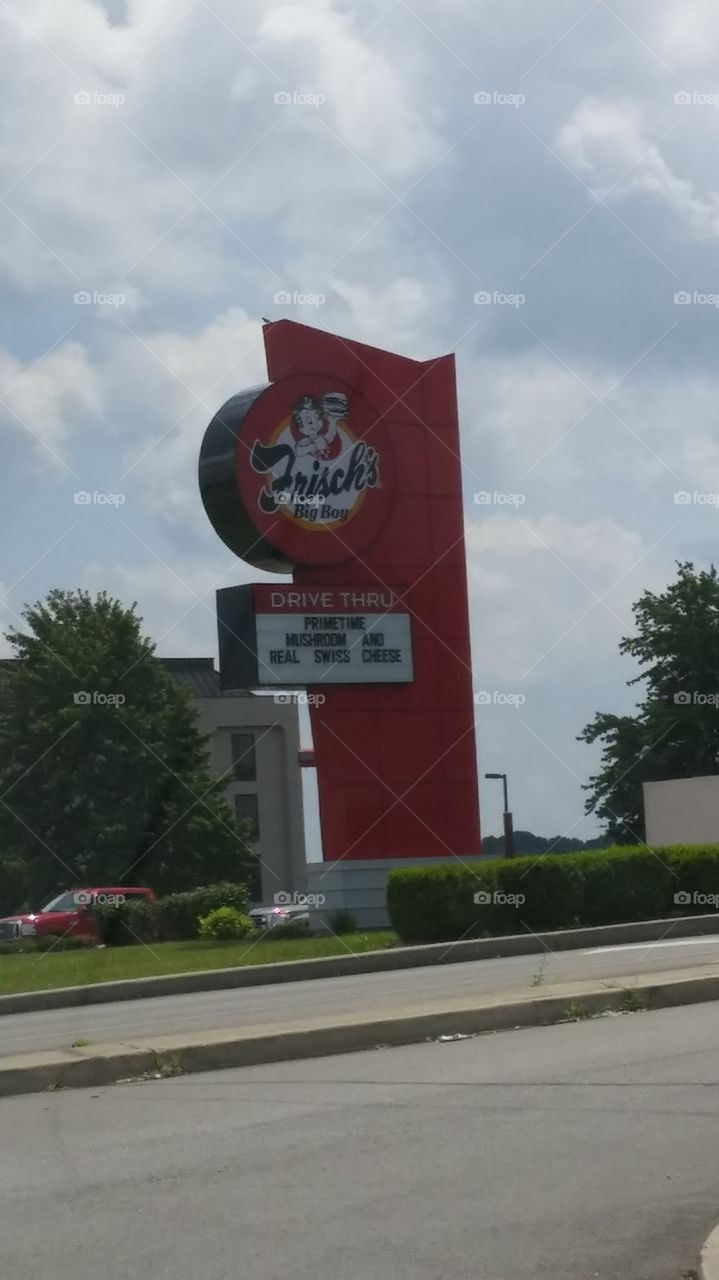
(277, 785)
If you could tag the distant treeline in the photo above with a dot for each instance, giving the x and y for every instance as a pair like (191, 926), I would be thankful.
(527, 842)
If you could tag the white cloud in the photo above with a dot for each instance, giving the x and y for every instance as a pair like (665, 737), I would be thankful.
(192, 376)
(534, 586)
(176, 601)
(678, 418)
(100, 190)
(368, 101)
(684, 32)
(392, 314)
(48, 399)
(531, 404)
(609, 143)
(227, 349)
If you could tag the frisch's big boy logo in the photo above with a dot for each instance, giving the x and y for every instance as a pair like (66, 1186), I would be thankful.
(299, 472)
(316, 469)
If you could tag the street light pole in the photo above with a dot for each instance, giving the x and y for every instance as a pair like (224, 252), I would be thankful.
(506, 816)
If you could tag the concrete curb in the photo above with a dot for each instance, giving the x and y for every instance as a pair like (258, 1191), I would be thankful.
(368, 962)
(709, 1258)
(212, 1051)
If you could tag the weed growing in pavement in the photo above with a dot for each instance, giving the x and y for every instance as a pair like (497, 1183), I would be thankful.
(575, 1013)
(167, 1065)
(633, 1002)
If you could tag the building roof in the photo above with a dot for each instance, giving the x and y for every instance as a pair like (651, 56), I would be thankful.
(201, 677)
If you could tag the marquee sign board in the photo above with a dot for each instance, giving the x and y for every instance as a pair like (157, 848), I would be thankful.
(288, 638)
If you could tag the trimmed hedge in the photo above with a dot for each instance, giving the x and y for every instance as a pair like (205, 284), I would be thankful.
(175, 918)
(179, 913)
(544, 892)
(128, 923)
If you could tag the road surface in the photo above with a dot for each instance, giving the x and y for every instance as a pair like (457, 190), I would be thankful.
(371, 994)
(587, 1151)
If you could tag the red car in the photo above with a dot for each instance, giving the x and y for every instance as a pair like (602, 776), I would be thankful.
(70, 914)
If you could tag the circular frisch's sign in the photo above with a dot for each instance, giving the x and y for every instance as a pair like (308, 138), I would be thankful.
(299, 472)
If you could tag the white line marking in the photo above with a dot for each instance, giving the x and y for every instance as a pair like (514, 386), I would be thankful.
(653, 946)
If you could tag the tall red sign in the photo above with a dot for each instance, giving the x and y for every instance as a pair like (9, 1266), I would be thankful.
(345, 471)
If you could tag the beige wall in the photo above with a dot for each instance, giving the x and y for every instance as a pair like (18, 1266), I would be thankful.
(281, 846)
(682, 811)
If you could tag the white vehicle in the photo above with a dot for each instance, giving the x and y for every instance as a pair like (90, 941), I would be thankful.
(269, 917)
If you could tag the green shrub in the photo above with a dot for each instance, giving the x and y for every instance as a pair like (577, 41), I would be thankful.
(343, 922)
(225, 924)
(545, 892)
(127, 923)
(179, 913)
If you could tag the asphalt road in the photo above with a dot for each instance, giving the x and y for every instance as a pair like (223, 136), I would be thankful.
(587, 1151)
(293, 1003)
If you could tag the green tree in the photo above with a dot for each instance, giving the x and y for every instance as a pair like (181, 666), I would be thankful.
(675, 731)
(13, 883)
(104, 775)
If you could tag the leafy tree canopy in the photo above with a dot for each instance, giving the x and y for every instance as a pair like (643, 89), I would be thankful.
(675, 731)
(104, 775)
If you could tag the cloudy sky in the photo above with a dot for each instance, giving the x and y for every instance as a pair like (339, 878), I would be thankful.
(170, 167)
